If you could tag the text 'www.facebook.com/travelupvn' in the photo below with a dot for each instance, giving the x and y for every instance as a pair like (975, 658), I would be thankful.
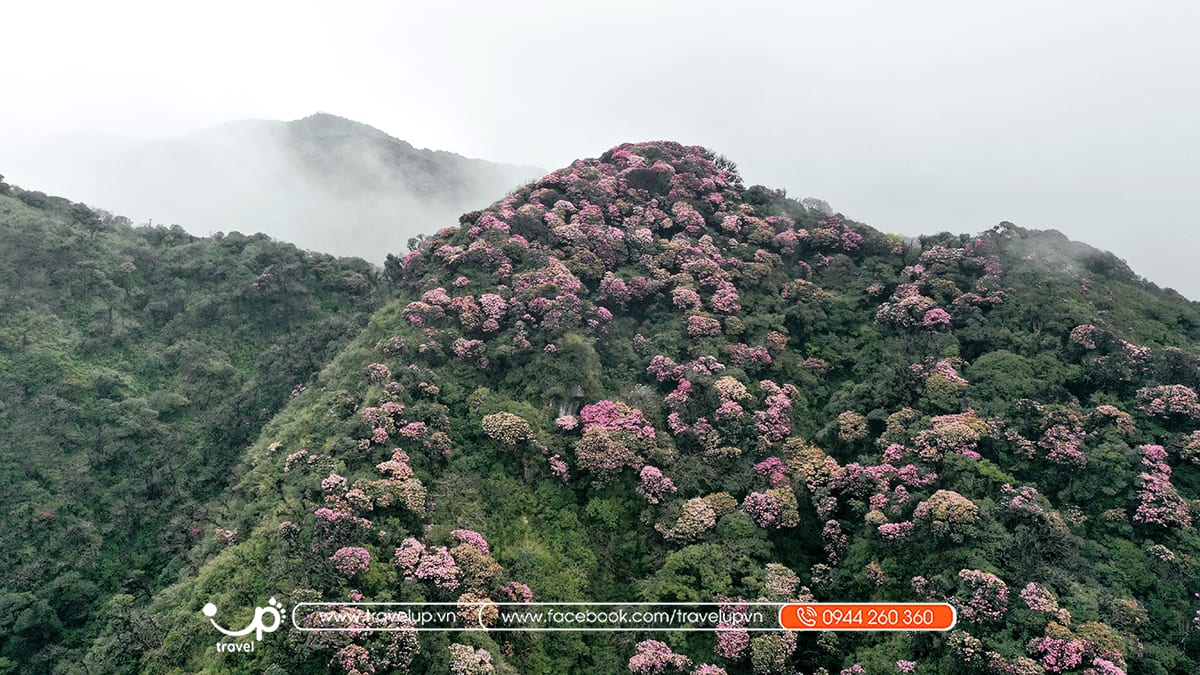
(619, 616)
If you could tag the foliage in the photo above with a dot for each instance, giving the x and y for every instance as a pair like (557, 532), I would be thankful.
(639, 379)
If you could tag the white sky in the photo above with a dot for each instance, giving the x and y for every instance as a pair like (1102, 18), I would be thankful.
(911, 116)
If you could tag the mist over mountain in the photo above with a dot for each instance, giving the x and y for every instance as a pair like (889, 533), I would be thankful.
(323, 182)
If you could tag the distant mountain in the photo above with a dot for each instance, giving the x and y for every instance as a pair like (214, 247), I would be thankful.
(324, 182)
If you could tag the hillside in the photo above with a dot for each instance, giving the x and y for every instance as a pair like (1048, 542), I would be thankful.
(637, 379)
(136, 363)
(323, 182)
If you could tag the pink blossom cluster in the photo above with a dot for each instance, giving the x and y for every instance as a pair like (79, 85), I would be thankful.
(353, 659)
(851, 426)
(1039, 599)
(1123, 420)
(776, 508)
(292, 460)
(774, 422)
(614, 291)
(1173, 400)
(351, 560)
(288, 530)
(385, 420)
(780, 583)
(655, 658)
(1158, 501)
(1063, 444)
(397, 466)
(936, 318)
(1085, 336)
(615, 416)
(432, 565)
(895, 531)
(944, 371)
(339, 526)
(1023, 500)
(357, 652)
(472, 538)
(558, 468)
(1191, 448)
(517, 592)
(604, 454)
(988, 599)
(471, 350)
(835, 540)
(1057, 654)
(664, 369)
(732, 639)
(743, 355)
(378, 372)
(678, 399)
(686, 298)
(467, 660)
(774, 470)
(334, 483)
(702, 326)
(906, 311)
(765, 509)
(654, 486)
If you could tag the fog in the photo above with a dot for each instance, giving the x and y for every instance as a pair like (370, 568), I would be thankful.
(323, 183)
(913, 117)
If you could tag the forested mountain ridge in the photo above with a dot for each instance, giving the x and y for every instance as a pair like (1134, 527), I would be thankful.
(136, 363)
(638, 379)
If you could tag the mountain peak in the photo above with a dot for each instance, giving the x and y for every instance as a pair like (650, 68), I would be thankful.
(328, 124)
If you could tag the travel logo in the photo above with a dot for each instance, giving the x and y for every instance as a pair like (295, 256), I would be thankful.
(266, 620)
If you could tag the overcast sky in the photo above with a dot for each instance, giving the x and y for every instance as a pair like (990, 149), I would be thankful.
(910, 116)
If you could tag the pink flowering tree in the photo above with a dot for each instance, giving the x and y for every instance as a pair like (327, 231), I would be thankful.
(987, 599)
(1158, 501)
(467, 660)
(654, 485)
(1171, 402)
(653, 657)
(351, 560)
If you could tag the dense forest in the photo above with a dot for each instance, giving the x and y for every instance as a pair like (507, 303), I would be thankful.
(136, 364)
(635, 378)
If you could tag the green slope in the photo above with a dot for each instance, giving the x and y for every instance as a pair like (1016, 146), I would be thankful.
(136, 364)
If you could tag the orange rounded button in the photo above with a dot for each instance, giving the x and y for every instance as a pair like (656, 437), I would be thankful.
(868, 616)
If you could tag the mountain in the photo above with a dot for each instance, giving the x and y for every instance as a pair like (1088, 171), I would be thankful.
(136, 363)
(323, 182)
(638, 379)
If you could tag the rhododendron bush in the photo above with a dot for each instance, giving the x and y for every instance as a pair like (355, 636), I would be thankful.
(637, 378)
